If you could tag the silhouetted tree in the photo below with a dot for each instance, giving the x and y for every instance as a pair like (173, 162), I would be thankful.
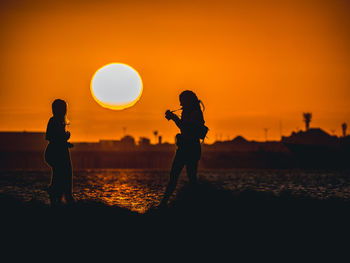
(307, 119)
(344, 126)
(155, 135)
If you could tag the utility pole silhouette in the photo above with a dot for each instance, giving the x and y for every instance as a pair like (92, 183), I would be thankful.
(265, 131)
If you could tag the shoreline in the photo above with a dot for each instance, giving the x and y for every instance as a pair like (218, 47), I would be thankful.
(205, 199)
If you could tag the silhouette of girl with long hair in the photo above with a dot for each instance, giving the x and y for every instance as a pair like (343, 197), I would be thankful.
(188, 144)
(57, 155)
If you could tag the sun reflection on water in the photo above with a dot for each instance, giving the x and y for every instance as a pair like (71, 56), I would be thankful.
(124, 188)
(138, 190)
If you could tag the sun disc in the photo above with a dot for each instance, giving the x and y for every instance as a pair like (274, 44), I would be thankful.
(116, 86)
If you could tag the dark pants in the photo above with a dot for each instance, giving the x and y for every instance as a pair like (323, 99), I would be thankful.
(187, 155)
(61, 184)
(58, 157)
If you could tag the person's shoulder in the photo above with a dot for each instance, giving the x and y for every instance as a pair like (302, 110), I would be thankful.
(51, 120)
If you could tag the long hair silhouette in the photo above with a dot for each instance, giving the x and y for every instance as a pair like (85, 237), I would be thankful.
(59, 111)
(193, 100)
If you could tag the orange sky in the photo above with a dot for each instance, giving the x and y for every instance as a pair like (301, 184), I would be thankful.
(255, 64)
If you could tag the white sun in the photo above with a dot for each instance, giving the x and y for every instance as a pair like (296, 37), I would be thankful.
(116, 86)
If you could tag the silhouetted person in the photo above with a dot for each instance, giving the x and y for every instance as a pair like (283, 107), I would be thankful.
(57, 155)
(188, 144)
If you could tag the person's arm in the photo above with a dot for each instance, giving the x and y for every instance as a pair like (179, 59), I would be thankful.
(177, 121)
(172, 116)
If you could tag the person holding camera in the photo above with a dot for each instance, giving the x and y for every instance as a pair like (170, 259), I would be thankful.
(188, 153)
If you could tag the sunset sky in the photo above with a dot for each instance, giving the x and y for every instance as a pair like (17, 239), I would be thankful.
(254, 64)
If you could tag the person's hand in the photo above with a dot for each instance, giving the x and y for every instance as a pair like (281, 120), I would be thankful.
(169, 115)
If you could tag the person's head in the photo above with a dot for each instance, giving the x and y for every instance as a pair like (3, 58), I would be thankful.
(189, 101)
(59, 109)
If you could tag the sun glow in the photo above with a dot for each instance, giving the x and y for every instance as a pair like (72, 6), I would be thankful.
(116, 86)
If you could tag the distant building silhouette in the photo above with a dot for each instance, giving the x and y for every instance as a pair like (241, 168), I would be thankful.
(144, 142)
(316, 148)
(109, 144)
(239, 140)
(22, 141)
(127, 142)
(314, 136)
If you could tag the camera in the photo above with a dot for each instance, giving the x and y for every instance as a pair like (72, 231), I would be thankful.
(168, 114)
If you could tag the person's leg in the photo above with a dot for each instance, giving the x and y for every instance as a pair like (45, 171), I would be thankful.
(191, 169)
(59, 184)
(69, 197)
(176, 169)
(59, 196)
(68, 192)
(52, 189)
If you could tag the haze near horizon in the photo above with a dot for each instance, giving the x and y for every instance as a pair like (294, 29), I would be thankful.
(255, 64)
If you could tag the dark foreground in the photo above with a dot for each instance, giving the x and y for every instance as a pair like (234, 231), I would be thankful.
(204, 206)
(201, 221)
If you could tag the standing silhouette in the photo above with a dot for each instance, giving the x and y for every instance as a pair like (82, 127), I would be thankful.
(188, 151)
(57, 155)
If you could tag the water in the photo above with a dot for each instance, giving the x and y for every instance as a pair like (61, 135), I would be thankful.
(138, 190)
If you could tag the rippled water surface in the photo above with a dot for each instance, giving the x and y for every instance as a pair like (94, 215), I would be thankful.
(137, 190)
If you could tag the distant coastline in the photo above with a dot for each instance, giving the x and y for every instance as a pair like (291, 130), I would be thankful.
(313, 148)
